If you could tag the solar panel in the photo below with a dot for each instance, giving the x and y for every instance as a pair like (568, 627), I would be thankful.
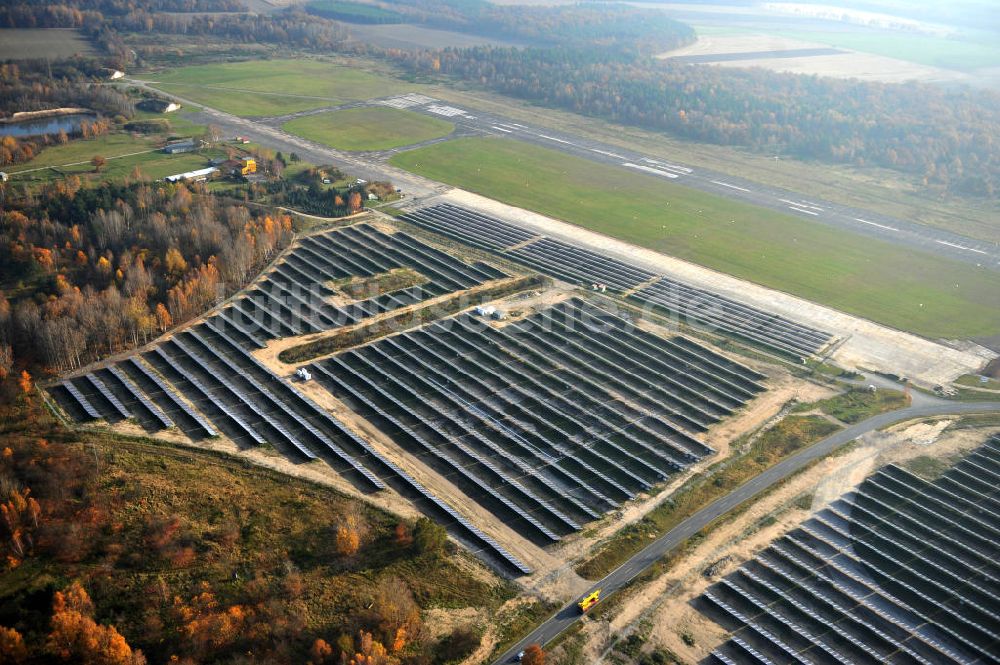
(207, 394)
(84, 403)
(169, 394)
(103, 389)
(133, 390)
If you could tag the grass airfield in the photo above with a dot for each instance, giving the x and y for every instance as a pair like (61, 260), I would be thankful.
(919, 293)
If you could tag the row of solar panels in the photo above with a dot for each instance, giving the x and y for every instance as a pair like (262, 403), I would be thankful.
(293, 297)
(207, 366)
(903, 570)
(539, 431)
(579, 266)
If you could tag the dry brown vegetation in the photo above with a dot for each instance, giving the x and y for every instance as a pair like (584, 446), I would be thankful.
(173, 551)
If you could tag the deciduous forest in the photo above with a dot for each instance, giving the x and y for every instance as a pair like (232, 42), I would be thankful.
(93, 271)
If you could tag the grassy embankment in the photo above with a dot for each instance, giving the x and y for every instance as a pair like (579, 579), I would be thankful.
(913, 291)
(378, 128)
(150, 528)
(790, 435)
(274, 87)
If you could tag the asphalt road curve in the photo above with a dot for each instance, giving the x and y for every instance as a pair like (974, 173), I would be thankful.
(622, 575)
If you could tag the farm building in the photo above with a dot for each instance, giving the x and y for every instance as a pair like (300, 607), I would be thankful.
(194, 176)
(177, 147)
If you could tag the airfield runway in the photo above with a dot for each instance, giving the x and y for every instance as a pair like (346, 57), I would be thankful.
(864, 222)
(374, 166)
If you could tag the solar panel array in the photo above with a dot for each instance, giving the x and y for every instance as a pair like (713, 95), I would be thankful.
(901, 570)
(579, 266)
(243, 399)
(549, 422)
(294, 297)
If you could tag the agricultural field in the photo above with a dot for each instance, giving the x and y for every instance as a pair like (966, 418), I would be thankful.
(918, 293)
(273, 87)
(965, 53)
(26, 43)
(353, 12)
(378, 128)
(401, 35)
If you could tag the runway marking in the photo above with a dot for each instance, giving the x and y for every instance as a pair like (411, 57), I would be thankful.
(514, 124)
(672, 167)
(552, 138)
(606, 153)
(726, 184)
(446, 111)
(803, 210)
(968, 249)
(881, 226)
(801, 204)
(501, 129)
(650, 169)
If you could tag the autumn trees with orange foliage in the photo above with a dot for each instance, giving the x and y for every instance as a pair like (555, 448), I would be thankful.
(533, 655)
(110, 267)
(194, 561)
(75, 636)
(350, 531)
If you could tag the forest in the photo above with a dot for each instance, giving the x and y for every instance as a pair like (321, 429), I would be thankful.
(92, 271)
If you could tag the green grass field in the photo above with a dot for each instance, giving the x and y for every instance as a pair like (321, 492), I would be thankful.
(30, 43)
(898, 287)
(274, 87)
(377, 128)
(123, 153)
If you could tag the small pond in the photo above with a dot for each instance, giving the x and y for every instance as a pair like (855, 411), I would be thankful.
(50, 125)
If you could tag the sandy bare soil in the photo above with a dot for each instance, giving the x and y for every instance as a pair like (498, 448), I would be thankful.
(851, 64)
(867, 345)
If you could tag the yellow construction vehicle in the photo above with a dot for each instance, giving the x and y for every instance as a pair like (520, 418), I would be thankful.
(589, 601)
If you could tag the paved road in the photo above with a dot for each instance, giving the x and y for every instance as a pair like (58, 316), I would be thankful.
(924, 406)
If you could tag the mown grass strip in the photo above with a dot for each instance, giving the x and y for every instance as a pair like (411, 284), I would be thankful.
(408, 318)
